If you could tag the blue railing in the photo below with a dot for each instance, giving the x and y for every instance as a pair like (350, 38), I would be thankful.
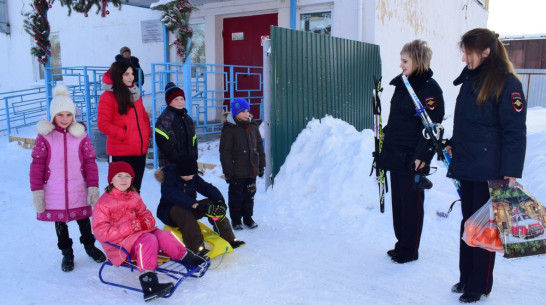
(212, 88)
(209, 89)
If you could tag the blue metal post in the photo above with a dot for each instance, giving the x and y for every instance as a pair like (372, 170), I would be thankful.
(154, 113)
(165, 44)
(87, 102)
(186, 70)
(293, 14)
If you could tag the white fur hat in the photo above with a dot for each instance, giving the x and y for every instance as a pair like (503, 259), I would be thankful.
(61, 102)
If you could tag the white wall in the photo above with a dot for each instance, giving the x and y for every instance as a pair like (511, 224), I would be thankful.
(440, 23)
(85, 41)
(94, 41)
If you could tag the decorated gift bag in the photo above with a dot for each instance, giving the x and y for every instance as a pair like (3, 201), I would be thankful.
(520, 219)
(481, 231)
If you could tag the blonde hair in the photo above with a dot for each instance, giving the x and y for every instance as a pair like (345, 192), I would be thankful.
(420, 54)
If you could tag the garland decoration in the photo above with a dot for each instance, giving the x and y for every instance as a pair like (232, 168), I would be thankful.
(37, 25)
(176, 17)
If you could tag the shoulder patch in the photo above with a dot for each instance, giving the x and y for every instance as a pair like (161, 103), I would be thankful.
(517, 101)
(430, 102)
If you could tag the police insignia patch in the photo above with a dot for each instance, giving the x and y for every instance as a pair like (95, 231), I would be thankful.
(517, 101)
(430, 102)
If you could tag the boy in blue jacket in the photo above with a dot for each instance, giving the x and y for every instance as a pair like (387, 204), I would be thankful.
(180, 208)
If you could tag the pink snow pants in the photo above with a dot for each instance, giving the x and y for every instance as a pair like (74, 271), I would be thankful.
(147, 246)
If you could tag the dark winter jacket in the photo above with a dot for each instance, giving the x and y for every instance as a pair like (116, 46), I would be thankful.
(135, 63)
(241, 149)
(175, 135)
(404, 141)
(176, 191)
(489, 140)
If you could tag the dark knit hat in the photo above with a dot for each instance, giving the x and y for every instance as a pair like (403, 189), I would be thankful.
(120, 167)
(239, 105)
(186, 165)
(124, 49)
(171, 92)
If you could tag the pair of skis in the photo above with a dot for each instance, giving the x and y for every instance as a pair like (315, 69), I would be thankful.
(434, 132)
(380, 174)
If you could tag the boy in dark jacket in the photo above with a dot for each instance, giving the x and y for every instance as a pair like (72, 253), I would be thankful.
(243, 158)
(180, 208)
(174, 129)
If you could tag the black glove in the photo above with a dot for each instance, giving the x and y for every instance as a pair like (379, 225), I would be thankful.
(261, 173)
(211, 210)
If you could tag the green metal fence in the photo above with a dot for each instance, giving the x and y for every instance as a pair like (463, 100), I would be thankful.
(317, 75)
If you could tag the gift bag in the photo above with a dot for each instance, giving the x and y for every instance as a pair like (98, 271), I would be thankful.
(481, 231)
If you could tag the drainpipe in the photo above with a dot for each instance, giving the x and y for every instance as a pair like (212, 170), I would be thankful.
(293, 14)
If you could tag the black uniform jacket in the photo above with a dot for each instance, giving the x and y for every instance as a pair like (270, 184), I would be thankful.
(489, 140)
(404, 141)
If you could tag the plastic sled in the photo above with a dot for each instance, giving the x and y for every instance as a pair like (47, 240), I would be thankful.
(216, 244)
(176, 271)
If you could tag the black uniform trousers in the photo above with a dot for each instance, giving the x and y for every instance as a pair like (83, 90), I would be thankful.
(138, 163)
(241, 199)
(475, 264)
(407, 214)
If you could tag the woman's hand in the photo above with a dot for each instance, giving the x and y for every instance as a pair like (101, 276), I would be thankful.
(511, 181)
(419, 164)
(448, 150)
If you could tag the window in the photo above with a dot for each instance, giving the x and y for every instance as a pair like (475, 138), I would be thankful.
(4, 24)
(198, 43)
(54, 60)
(320, 23)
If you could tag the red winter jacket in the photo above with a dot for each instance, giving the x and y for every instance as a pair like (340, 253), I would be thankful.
(115, 220)
(127, 134)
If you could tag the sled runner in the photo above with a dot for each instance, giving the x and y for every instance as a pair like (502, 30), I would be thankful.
(216, 244)
(171, 270)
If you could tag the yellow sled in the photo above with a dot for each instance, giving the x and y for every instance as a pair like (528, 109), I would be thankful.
(216, 244)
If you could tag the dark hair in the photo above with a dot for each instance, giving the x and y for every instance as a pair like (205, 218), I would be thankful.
(110, 187)
(420, 55)
(494, 67)
(122, 93)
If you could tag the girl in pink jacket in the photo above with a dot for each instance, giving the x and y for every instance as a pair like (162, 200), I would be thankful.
(64, 177)
(121, 218)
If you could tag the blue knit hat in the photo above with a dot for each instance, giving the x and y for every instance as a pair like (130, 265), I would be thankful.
(239, 105)
(171, 92)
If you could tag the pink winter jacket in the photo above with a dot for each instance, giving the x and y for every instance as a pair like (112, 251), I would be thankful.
(115, 220)
(63, 165)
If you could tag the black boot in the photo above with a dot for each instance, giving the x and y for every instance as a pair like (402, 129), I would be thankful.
(152, 288)
(392, 252)
(458, 288)
(95, 253)
(470, 297)
(249, 222)
(237, 243)
(194, 260)
(68, 260)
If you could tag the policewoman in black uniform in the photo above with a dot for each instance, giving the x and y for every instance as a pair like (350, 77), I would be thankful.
(406, 153)
(489, 139)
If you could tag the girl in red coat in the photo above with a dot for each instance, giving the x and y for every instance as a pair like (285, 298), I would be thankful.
(123, 119)
(121, 217)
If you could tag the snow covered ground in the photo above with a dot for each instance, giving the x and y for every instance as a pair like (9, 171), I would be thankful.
(321, 238)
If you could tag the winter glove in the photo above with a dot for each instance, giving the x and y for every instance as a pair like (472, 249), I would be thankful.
(139, 224)
(92, 195)
(261, 173)
(211, 210)
(38, 200)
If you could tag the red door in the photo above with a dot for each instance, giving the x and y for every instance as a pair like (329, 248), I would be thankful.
(242, 46)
